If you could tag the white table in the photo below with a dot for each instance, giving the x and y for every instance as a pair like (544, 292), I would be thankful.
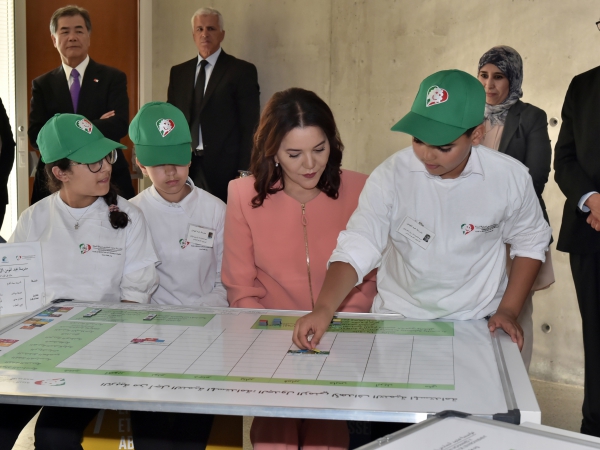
(455, 430)
(223, 361)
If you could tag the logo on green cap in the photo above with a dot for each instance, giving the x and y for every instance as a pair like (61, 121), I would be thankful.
(436, 95)
(165, 126)
(85, 125)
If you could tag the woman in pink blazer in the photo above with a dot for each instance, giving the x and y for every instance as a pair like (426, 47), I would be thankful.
(281, 227)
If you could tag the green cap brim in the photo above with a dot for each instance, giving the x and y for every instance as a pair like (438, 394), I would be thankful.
(91, 153)
(150, 155)
(428, 130)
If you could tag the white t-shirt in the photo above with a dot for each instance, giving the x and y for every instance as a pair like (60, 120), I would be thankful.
(461, 274)
(94, 262)
(190, 273)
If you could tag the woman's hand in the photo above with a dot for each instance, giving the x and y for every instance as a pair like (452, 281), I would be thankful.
(507, 322)
(316, 324)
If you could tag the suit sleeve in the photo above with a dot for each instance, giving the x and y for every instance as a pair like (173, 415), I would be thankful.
(7, 155)
(171, 95)
(248, 106)
(116, 127)
(38, 114)
(569, 175)
(539, 152)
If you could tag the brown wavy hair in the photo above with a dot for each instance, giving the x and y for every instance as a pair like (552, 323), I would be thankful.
(286, 110)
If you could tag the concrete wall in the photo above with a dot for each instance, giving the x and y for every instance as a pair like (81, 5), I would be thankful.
(367, 58)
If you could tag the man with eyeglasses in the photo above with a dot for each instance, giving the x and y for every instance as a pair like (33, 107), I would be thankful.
(80, 85)
(577, 173)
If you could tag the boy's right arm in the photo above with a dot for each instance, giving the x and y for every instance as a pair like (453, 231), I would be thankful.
(357, 253)
(339, 281)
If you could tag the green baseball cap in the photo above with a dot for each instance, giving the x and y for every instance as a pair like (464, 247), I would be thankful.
(161, 135)
(73, 136)
(448, 104)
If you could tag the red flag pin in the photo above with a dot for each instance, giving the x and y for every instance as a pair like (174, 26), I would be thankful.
(95, 80)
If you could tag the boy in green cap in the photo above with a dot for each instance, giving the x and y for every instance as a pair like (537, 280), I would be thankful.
(434, 219)
(186, 224)
(185, 221)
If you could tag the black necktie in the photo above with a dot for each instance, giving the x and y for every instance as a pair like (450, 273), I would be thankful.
(198, 96)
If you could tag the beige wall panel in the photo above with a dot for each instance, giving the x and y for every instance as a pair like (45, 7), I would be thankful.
(366, 58)
(288, 41)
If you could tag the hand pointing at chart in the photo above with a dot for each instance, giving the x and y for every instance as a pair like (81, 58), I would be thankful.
(340, 279)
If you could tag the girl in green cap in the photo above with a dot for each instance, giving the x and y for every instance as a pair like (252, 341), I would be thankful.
(96, 246)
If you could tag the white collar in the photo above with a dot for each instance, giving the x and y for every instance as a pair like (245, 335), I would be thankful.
(473, 165)
(187, 204)
(80, 68)
(212, 59)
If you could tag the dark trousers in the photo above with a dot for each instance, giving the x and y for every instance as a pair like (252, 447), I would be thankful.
(170, 431)
(62, 428)
(197, 173)
(363, 433)
(2, 214)
(13, 419)
(586, 275)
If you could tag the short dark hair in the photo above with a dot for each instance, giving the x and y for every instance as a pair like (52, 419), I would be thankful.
(70, 11)
(286, 110)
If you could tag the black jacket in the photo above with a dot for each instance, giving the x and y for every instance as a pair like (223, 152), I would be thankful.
(525, 138)
(577, 161)
(7, 157)
(229, 115)
(103, 89)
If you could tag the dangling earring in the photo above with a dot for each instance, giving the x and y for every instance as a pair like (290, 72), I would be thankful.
(276, 164)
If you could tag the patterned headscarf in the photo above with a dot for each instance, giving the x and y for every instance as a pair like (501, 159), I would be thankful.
(510, 64)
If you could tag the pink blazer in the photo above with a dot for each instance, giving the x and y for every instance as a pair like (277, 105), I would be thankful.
(264, 255)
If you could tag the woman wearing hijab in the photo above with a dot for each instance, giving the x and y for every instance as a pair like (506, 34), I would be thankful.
(520, 130)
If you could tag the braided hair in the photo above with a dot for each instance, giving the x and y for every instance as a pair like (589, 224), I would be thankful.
(118, 219)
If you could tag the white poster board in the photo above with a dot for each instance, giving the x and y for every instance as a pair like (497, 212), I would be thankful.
(235, 361)
(21, 278)
(450, 432)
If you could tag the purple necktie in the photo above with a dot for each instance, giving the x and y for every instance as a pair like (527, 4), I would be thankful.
(75, 87)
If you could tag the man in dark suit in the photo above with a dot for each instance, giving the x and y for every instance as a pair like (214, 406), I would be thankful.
(219, 95)
(7, 159)
(577, 172)
(83, 86)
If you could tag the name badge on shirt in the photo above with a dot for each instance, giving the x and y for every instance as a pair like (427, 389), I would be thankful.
(416, 232)
(200, 236)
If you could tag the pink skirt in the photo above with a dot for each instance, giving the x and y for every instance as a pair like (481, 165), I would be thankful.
(275, 433)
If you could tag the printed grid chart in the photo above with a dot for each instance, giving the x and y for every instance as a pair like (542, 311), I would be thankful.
(356, 357)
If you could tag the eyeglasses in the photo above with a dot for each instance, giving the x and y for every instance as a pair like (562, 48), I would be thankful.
(96, 167)
(598, 24)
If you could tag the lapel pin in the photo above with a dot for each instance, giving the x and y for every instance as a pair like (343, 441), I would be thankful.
(95, 80)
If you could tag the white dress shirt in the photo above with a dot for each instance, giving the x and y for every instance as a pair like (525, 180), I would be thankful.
(80, 68)
(190, 274)
(212, 60)
(461, 274)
